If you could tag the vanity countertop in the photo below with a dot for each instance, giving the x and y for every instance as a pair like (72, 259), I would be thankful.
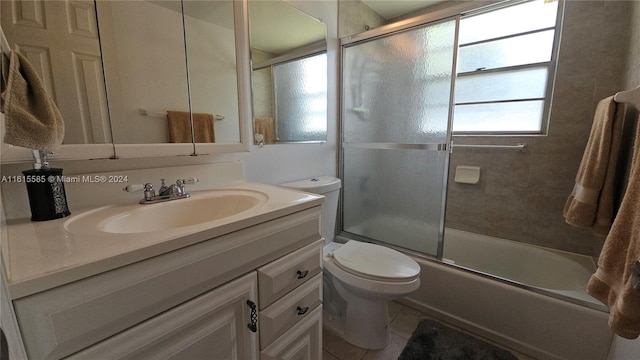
(41, 255)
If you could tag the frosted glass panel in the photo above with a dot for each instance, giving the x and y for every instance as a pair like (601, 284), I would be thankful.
(508, 85)
(394, 196)
(512, 20)
(396, 89)
(301, 99)
(519, 50)
(524, 116)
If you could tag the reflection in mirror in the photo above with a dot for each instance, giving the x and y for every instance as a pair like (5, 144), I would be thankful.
(289, 77)
(145, 69)
(60, 39)
(211, 55)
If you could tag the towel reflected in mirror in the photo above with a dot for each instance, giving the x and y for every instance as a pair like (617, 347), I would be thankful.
(180, 127)
(264, 127)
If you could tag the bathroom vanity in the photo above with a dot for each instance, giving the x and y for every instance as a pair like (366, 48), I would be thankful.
(243, 286)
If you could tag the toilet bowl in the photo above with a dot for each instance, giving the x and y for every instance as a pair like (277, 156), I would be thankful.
(359, 278)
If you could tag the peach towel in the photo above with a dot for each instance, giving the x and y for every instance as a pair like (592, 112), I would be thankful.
(32, 119)
(614, 281)
(180, 127)
(265, 127)
(591, 203)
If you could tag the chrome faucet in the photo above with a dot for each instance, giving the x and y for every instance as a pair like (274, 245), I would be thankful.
(165, 193)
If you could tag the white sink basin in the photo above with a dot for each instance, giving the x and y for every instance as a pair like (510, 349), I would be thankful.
(200, 208)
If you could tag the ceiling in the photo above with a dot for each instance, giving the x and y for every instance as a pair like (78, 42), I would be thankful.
(277, 27)
(393, 8)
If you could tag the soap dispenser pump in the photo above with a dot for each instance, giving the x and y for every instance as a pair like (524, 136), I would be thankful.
(45, 187)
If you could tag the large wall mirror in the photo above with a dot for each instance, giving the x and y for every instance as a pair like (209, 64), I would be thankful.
(135, 73)
(146, 70)
(289, 74)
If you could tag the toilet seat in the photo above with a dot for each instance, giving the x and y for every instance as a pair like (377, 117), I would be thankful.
(375, 262)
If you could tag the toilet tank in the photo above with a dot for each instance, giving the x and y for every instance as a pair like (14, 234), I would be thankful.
(329, 187)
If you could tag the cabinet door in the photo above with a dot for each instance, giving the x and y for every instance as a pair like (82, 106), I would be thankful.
(211, 326)
(302, 342)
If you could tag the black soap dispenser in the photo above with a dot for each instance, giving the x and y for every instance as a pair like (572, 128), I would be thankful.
(45, 186)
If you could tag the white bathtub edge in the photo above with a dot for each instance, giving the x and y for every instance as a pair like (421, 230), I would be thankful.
(533, 324)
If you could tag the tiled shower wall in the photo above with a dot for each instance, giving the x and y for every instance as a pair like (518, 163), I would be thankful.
(520, 196)
(632, 74)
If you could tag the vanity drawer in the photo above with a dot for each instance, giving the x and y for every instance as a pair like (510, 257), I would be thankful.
(302, 341)
(276, 319)
(285, 274)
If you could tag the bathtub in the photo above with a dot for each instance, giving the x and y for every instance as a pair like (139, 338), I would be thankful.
(530, 313)
(532, 266)
(542, 310)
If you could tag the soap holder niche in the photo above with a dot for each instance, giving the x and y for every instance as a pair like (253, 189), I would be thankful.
(467, 174)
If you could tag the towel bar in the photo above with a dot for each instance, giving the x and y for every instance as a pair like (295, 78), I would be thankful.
(144, 112)
(521, 147)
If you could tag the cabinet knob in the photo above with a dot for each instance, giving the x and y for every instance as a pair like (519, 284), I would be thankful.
(302, 274)
(302, 310)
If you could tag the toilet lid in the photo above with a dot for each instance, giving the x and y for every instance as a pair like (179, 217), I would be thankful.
(375, 261)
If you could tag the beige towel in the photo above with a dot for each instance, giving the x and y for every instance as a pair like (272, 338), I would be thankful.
(203, 128)
(266, 127)
(591, 203)
(180, 127)
(32, 119)
(613, 282)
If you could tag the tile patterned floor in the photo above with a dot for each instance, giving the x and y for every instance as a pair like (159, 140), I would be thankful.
(403, 320)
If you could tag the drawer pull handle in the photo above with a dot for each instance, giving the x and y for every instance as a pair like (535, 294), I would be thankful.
(253, 325)
(302, 274)
(302, 310)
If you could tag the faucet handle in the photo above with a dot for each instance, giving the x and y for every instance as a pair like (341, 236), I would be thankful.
(149, 193)
(133, 187)
(190, 180)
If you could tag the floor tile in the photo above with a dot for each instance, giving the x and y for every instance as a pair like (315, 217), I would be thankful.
(406, 322)
(327, 356)
(403, 321)
(390, 352)
(339, 348)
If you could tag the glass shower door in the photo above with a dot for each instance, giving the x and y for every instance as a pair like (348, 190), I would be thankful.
(395, 112)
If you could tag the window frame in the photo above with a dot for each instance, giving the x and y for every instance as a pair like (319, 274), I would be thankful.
(551, 65)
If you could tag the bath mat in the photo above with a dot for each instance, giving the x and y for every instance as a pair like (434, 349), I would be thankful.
(434, 341)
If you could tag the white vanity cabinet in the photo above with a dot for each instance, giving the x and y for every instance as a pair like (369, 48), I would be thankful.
(211, 326)
(193, 302)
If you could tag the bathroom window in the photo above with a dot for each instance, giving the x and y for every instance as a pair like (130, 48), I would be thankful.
(506, 64)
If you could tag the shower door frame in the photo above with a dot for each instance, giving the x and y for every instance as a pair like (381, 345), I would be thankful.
(456, 11)
(452, 13)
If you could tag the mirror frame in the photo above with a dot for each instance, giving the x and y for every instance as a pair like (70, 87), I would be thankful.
(10, 154)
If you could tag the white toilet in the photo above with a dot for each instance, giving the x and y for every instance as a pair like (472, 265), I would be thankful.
(359, 278)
